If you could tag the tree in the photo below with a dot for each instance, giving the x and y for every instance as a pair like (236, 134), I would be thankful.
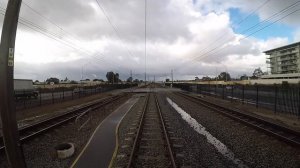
(100, 80)
(224, 76)
(112, 77)
(136, 81)
(117, 80)
(36, 81)
(244, 77)
(196, 78)
(167, 80)
(66, 79)
(129, 79)
(73, 82)
(257, 73)
(206, 78)
(54, 80)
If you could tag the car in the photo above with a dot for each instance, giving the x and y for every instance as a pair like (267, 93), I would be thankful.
(229, 87)
(98, 89)
(79, 90)
(23, 88)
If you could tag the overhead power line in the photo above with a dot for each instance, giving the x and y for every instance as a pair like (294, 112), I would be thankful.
(272, 17)
(256, 26)
(57, 37)
(115, 28)
(66, 33)
(54, 37)
(221, 35)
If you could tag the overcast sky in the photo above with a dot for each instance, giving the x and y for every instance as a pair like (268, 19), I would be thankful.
(81, 39)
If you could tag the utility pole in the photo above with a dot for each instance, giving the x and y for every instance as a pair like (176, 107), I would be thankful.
(145, 41)
(131, 76)
(172, 75)
(145, 78)
(12, 144)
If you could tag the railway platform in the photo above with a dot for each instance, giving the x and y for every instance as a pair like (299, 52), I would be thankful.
(100, 148)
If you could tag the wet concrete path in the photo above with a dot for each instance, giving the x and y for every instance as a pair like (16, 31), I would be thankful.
(100, 148)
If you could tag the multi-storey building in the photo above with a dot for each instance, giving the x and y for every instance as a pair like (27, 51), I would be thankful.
(285, 59)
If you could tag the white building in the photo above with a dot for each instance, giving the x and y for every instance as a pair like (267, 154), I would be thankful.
(285, 59)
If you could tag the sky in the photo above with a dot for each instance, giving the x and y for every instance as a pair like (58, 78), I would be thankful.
(85, 39)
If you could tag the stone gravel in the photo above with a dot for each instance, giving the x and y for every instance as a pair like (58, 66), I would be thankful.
(126, 132)
(40, 151)
(190, 148)
(254, 148)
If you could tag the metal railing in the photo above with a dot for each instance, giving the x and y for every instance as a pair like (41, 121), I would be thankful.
(283, 98)
(56, 95)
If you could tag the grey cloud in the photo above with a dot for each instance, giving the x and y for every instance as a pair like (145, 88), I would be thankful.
(166, 25)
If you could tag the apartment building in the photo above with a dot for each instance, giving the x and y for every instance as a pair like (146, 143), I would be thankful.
(285, 59)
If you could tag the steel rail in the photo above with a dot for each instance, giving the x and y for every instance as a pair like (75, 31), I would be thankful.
(58, 120)
(139, 132)
(165, 133)
(278, 131)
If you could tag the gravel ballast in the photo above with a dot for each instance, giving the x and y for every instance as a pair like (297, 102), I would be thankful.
(190, 148)
(40, 152)
(254, 148)
(126, 132)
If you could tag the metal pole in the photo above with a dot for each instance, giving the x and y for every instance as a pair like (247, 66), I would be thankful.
(216, 90)
(231, 93)
(7, 104)
(223, 95)
(172, 77)
(298, 101)
(52, 95)
(200, 90)
(40, 95)
(256, 96)
(24, 99)
(275, 103)
(145, 42)
(63, 89)
(243, 96)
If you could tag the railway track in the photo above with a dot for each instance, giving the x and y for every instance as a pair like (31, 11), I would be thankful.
(31, 131)
(151, 147)
(280, 132)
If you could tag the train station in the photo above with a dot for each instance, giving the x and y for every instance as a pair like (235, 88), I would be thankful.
(154, 84)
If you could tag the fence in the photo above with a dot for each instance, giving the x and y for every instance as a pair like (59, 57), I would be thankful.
(55, 95)
(283, 98)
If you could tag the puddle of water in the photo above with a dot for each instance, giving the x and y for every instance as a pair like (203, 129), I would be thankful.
(221, 148)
